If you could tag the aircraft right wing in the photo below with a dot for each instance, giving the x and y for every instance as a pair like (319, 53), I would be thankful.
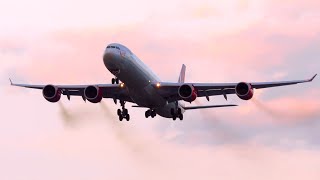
(205, 107)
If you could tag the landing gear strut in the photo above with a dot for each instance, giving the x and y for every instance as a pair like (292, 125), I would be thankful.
(123, 114)
(115, 81)
(177, 114)
(150, 113)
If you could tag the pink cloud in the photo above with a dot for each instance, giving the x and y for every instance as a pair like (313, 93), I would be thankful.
(100, 152)
(236, 53)
(287, 109)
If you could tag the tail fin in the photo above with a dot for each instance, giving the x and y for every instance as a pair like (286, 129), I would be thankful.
(182, 74)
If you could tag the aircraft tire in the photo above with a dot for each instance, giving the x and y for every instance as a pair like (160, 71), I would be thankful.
(119, 112)
(120, 117)
(179, 111)
(174, 118)
(128, 117)
(153, 113)
(113, 80)
(181, 117)
(146, 114)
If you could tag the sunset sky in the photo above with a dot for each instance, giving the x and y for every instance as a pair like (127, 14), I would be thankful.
(274, 136)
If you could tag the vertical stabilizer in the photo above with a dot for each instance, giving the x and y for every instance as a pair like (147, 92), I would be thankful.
(182, 74)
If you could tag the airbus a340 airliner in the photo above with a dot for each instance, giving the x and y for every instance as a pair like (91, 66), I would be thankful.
(141, 86)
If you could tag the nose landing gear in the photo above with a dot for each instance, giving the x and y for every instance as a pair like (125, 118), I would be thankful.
(123, 114)
(115, 81)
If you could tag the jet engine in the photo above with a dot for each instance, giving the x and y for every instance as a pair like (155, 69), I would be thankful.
(244, 91)
(188, 93)
(93, 94)
(51, 93)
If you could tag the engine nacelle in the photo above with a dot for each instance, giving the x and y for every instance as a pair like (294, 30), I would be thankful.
(51, 93)
(93, 94)
(244, 91)
(188, 93)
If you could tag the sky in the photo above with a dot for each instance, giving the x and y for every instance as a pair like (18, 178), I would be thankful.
(273, 136)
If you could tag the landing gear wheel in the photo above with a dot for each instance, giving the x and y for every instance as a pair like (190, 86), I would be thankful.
(119, 112)
(181, 117)
(115, 81)
(120, 117)
(147, 114)
(179, 111)
(174, 117)
(123, 114)
(128, 117)
(153, 113)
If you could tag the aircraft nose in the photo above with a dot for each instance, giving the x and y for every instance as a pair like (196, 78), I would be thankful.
(107, 54)
(107, 57)
(112, 59)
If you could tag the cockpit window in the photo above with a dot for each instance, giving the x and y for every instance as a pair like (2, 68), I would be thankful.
(113, 47)
(116, 47)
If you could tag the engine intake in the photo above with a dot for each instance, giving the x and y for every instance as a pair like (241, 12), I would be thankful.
(244, 91)
(51, 93)
(93, 94)
(188, 93)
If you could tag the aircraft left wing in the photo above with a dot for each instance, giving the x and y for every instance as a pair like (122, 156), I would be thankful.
(170, 90)
(114, 91)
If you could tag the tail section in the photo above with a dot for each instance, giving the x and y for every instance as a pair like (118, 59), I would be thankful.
(182, 74)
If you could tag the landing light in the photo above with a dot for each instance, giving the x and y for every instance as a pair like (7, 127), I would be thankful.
(158, 85)
(122, 85)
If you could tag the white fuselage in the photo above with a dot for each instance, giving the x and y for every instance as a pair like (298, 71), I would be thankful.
(138, 79)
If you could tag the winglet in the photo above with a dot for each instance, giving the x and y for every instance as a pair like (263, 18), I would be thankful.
(10, 81)
(313, 77)
(182, 74)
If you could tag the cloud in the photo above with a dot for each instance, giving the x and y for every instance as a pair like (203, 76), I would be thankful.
(97, 153)
(287, 122)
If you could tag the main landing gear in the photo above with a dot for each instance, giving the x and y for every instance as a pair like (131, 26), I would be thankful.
(123, 114)
(150, 113)
(115, 81)
(177, 114)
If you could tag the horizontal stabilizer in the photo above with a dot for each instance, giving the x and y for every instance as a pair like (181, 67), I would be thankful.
(205, 107)
(137, 106)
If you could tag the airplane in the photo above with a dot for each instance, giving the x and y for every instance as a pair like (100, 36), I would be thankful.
(139, 85)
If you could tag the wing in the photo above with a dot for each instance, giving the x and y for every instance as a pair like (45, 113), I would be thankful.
(169, 90)
(205, 107)
(114, 91)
